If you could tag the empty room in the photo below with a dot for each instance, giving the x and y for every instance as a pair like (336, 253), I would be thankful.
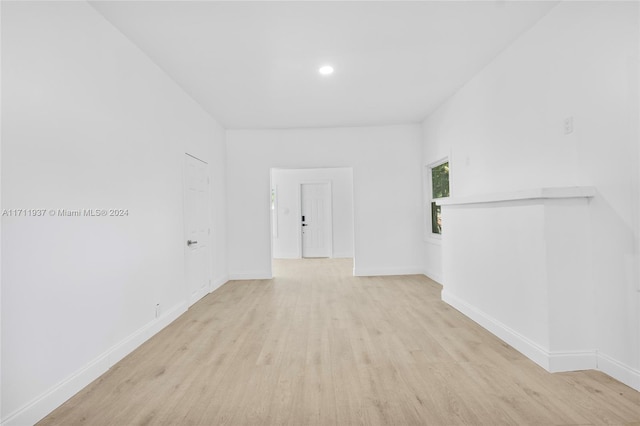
(320, 212)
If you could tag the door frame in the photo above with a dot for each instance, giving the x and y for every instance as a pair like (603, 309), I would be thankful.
(330, 218)
(209, 262)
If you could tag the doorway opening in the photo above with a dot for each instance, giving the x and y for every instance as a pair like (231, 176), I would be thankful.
(311, 213)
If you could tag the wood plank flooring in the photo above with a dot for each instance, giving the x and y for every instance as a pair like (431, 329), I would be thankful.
(317, 346)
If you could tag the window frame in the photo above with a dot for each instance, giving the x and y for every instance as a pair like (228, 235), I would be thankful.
(429, 235)
(273, 205)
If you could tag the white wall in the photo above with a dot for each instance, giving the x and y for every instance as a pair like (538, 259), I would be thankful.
(90, 122)
(386, 184)
(531, 256)
(286, 244)
(504, 131)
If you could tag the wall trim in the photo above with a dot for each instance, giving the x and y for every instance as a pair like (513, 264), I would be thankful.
(433, 277)
(292, 255)
(396, 270)
(553, 362)
(218, 282)
(522, 195)
(619, 371)
(287, 255)
(131, 343)
(44, 404)
(254, 275)
(343, 255)
(522, 344)
(572, 361)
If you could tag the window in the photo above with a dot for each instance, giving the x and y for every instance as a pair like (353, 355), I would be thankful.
(439, 178)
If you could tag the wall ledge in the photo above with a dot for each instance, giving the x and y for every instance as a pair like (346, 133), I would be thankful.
(527, 194)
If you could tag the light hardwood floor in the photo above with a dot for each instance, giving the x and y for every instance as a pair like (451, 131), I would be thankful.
(318, 346)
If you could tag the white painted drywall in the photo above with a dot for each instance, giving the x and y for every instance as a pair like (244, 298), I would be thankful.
(386, 185)
(498, 268)
(504, 130)
(89, 122)
(532, 257)
(286, 244)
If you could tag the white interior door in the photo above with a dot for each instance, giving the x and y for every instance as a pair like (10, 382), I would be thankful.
(315, 207)
(196, 216)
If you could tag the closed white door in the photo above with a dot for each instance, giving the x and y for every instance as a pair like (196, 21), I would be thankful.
(316, 219)
(196, 216)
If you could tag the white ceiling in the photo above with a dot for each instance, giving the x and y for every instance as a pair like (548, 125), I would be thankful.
(255, 64)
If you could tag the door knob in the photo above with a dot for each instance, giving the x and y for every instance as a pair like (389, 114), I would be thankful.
(304, 224)
(190, 242)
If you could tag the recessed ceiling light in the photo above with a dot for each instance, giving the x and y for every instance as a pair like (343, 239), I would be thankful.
(326, 70)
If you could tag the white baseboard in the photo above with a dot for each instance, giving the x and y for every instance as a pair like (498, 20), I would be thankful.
(522, 344)
(128, 345)
(619, 371)
(401, 270)
(256, 275)
(434, 277)
(38, 408)
(572, 361)
(218, 282)
(44, 404)
(553, 362)
(287, 256)
(297, 255)
(342, 255)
